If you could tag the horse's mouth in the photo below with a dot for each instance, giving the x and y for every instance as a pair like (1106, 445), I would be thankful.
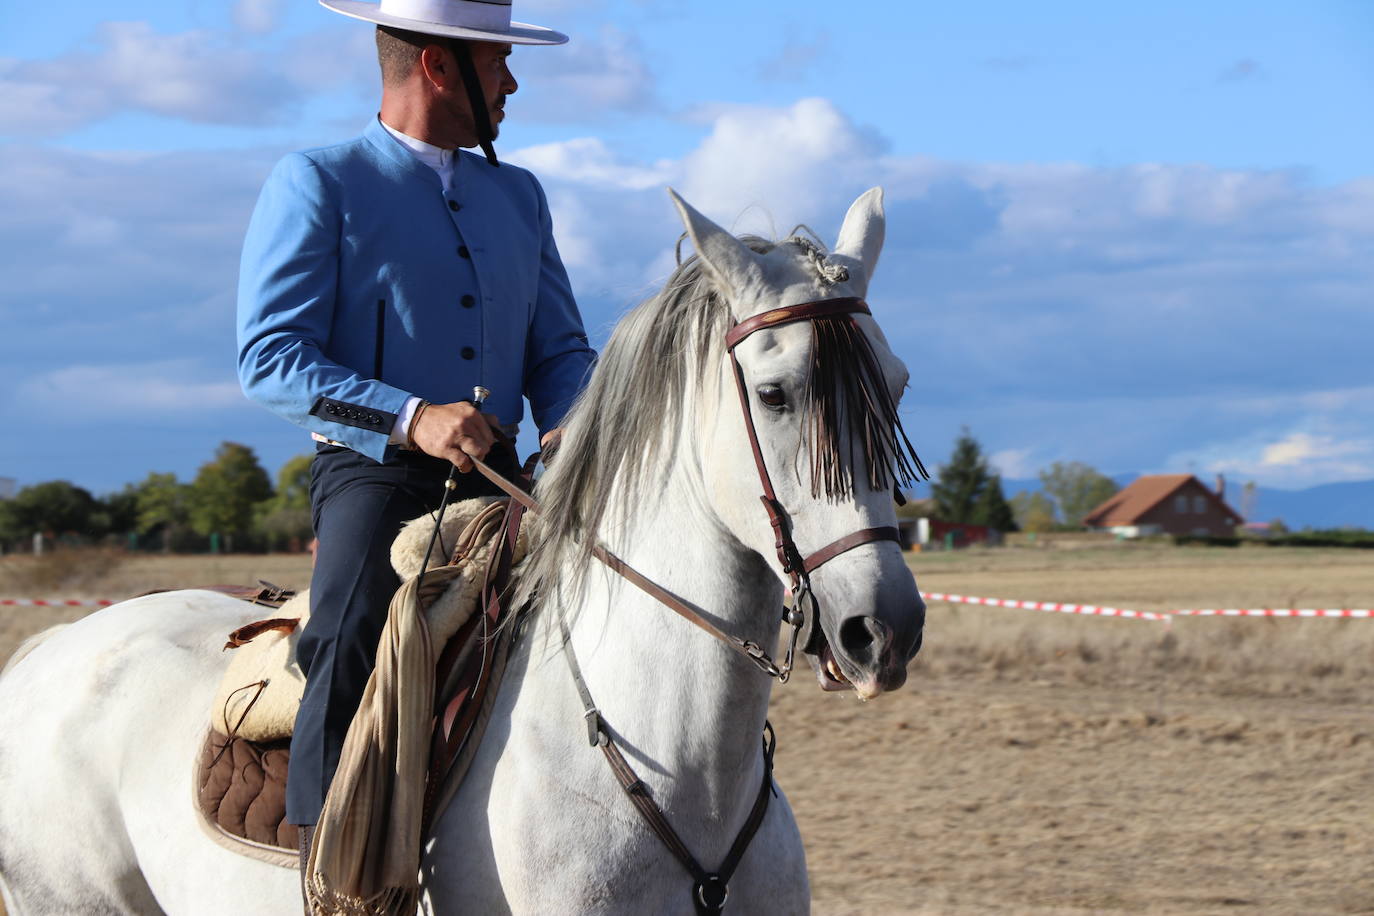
(832, 678)
(830, 675)
(828, 672)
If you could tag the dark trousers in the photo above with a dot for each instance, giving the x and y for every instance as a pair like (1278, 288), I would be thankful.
(359, 506)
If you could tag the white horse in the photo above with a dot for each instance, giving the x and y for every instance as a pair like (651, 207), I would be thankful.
(101, 722)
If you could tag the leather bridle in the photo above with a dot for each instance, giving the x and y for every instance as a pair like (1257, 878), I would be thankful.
(794, 565)
(804, 613)
(711, 889)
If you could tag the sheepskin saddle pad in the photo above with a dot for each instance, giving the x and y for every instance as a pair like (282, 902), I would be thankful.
(241, 770)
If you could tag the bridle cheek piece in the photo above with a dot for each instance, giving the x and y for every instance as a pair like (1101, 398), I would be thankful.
(796, 567)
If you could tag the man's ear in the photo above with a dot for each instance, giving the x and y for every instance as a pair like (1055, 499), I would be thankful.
(728, 261)
(438, 65)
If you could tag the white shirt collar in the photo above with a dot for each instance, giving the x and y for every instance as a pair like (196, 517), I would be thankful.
(437, 158)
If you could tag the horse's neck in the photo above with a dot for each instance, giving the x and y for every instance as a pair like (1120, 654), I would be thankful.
(687, 710)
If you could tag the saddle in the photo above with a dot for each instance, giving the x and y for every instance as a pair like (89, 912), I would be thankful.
(241, 771)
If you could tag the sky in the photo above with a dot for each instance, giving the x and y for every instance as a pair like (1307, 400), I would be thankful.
(1136, 236)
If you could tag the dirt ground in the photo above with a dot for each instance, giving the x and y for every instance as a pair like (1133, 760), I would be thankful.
(1046, 764)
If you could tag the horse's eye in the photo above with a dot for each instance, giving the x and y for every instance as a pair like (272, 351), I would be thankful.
(772, 397)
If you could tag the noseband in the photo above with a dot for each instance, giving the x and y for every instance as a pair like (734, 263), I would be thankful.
(794, 565)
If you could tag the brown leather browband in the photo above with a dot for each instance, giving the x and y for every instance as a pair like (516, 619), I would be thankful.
(806, 311)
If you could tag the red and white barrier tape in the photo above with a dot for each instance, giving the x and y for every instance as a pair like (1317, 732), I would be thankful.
(1166, 616)
(55, 602)
(1089, 609)
(1275, 612)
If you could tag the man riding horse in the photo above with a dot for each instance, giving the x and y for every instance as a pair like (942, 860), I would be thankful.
(383, 279)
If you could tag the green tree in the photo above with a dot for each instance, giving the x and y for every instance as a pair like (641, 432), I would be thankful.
(117, 513)
(992, 509)
(55, 508)
(226, 491)
(1076, 489)
(1033, 511)
(286, 516)
(293, 483)
(163, 506)
(966, 490)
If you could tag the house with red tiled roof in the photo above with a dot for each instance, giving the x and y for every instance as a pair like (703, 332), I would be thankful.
(1166, 504)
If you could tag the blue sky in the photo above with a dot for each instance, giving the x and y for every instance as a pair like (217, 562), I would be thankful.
(1140, 237)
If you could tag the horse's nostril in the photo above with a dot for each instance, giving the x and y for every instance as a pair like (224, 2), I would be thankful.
(858, 634)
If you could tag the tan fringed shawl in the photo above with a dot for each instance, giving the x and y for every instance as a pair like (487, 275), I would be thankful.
(365, 854)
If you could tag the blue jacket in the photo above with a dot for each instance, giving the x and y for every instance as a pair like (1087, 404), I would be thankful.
(364, 282)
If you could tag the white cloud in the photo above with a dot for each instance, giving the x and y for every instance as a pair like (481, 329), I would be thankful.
(257, 17)
(94, 391)
(583, 81)
(1293, 440)
(589, 162)
(798, 163)
(1143, 318)
(1148, 318)
(199, 76)
(1295, 449)
(1016, 463)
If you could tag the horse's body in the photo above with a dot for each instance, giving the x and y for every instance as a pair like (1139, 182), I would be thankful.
(101, 722)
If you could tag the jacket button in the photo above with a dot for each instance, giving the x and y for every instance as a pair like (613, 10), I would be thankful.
(467, 353)
(468, 301)
(463, 252)
(454, 206)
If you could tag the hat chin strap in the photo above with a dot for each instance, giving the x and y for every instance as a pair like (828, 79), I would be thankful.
(481, 119)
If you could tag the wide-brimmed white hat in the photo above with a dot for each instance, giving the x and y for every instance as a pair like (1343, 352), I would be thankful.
(475, 20)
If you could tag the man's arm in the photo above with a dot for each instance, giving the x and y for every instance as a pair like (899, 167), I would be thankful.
(558, 358)
(286, 306)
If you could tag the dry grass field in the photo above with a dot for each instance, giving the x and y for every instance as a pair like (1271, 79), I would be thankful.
(1041, 763)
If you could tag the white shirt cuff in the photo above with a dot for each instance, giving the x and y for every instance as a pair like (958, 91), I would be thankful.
(398, 432)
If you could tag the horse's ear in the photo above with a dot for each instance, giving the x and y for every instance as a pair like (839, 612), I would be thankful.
(861, 238)
(730, 263)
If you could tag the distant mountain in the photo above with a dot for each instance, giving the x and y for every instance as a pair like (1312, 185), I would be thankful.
(1331, 505)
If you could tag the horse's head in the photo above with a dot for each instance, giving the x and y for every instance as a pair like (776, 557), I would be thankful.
(820, 388)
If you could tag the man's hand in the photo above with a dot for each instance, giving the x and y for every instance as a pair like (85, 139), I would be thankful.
(548, 443)
(454, 431)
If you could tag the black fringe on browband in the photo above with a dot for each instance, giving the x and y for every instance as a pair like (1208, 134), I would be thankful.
(845, 373)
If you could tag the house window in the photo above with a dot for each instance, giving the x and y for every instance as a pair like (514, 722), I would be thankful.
(1199, 504)
(1181, 504)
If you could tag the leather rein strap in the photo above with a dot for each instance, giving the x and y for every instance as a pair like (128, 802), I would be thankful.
(749, 649)
(712, 889)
